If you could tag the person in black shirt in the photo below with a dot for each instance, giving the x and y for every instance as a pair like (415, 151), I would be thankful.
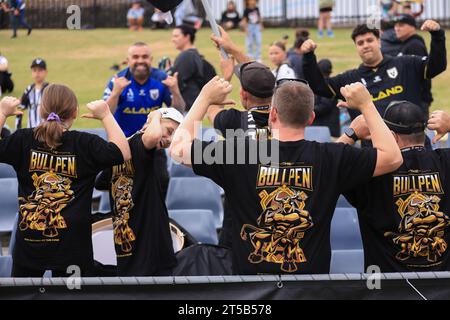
(390, 45)
(326, 110)
(403, 215)
(387, 78)
(189, 64)
(257, 83)
(414, 44)
(282, 206)
(230, 17)
(294, 54)
(56, 169)
(141, 223)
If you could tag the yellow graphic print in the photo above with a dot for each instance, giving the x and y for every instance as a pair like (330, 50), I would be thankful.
(280, 229)
(123, 202)
(421, 229)
(42, 209)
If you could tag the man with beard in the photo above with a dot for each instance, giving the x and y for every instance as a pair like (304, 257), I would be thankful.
(139, 90)
(135, 92)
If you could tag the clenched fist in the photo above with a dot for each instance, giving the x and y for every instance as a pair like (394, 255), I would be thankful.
(308, 46)
(356, 96)
(430, 26)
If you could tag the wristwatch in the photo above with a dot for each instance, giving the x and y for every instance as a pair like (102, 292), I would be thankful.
(349, 132)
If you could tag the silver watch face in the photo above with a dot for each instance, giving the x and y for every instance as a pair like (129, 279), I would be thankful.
(350, 132)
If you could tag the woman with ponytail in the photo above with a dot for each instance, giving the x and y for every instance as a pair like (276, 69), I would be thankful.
(56, 169)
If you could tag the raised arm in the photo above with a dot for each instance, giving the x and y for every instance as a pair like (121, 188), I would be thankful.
(214, 92)
(439, 121)
(8, 108)
(226, 43)
(177, 99)
(227, 68)
(119, 85)
(389, 157)
(101, 111)
(153, 130)
(312, 72)
(437, 60)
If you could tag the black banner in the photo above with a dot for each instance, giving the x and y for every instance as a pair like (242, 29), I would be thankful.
(194, 289)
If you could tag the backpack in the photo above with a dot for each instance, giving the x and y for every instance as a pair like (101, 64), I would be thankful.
(208, 72)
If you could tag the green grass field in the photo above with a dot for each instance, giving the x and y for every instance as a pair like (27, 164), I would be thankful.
(82, 59)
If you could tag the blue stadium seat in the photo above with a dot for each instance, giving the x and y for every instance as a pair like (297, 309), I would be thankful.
(343, 203)
(345, 233)
(9, 203)
(319, 134)
(105, 205)
(97, 131)
(12, 241)
(5, 266)
(7, 171)
(347, 261)
(195, 193)
(199, 223)
(180, 171)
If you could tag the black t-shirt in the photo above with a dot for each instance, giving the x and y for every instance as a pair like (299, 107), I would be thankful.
(233, 119)
(189, 66)
(404, 215)
(232, 16)
(281, 213)
(416, 46)
(55, 196)
(253, 16)
(141, 223)
(394, 79)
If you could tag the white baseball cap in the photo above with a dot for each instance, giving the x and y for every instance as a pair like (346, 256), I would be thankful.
(172, 114)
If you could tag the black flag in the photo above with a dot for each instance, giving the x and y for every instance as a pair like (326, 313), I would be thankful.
(165, 5)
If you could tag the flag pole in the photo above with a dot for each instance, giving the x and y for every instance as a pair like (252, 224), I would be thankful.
(213, 23)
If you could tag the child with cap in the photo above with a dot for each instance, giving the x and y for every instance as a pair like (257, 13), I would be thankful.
(141, 224)
(32, 96)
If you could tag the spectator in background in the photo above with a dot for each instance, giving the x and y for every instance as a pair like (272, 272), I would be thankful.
(278, 57)
(6, 83)
(294, 54)
(187, 14)
(3, 12)
(230, 17)
(325, 8)
(406, 7)
(390, 45)
(253, 26)
(326, 110)
(135, 16)
(17, 9)
(406, 32)
(32, 97)
(413, 44)
(159, 20)
(386, 9)
(189, 64)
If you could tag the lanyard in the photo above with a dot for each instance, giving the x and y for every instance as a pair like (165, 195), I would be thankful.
(418, 148)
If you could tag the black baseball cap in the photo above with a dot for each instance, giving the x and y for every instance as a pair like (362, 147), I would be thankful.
(39, 63)
(256, 78)
(404, 117)
(406, 18)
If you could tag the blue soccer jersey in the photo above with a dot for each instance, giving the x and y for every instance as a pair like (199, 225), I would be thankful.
(137, 101)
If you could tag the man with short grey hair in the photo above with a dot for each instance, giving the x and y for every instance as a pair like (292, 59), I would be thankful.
(282, 203)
